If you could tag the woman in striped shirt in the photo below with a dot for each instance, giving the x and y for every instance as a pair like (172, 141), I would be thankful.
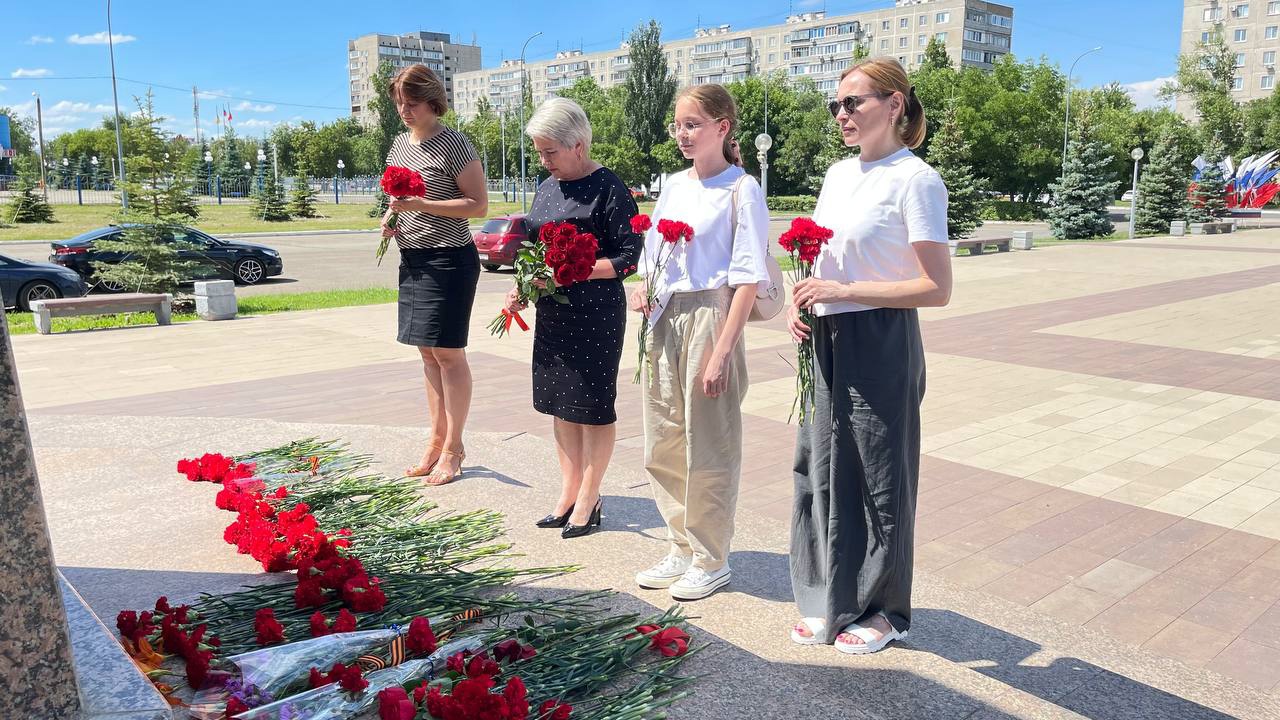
(439, 267)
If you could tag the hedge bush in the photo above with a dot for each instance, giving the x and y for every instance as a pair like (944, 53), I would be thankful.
(793, 203)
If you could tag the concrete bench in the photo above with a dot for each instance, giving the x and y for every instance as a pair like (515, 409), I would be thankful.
(45, 310)
(1178, 228)
(1023, 239)
(975, 247)
(1212, 228)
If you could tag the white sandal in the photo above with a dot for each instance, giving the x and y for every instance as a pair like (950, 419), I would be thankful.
(816, 627)
(870, 643)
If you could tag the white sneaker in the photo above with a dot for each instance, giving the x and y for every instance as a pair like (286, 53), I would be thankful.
(698, 583)
(668, 570)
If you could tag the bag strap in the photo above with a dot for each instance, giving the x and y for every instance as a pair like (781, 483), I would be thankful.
(733, 209)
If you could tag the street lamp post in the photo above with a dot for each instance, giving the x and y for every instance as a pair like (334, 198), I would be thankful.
(94, 162)
(208, 171)
(341, 165)
(44, 181)
(1066, 121)
(262, 157)
(763, 143)
(111, 49)
(1133, 202)
(524, 192)
(502, 118)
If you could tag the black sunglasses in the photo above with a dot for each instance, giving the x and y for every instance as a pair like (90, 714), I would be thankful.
(850, 103)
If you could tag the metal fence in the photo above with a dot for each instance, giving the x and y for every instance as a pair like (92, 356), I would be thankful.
(218, 190)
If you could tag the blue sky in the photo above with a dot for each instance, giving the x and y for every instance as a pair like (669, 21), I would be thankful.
(276, 62)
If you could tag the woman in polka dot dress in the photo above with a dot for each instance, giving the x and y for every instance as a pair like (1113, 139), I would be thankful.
(577, 346)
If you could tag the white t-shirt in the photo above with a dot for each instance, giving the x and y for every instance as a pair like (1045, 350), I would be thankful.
(716, 256)
(876, 210)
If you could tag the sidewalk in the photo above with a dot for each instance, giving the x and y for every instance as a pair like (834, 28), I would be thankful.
(1102, 431)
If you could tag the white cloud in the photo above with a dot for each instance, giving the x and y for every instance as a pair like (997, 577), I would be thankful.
(67, 106)
(1145, 93)
(256, 123)
(31, 73)
(39, 40)
(247, 106)
(99, 38)
(3, 88)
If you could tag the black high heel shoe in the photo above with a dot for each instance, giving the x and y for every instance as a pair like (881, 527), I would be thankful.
(572, 531)
(555, 521)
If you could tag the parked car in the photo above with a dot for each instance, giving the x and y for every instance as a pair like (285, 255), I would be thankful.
(244, 262)
(22, 282)
(499, 239)
(1127, 196)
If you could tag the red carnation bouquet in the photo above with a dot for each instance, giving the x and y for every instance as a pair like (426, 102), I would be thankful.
(561, 257)
(803, 242)
(400, 183)
(672, 232)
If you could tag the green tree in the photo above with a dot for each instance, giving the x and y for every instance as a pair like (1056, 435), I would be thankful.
(1209, 201)
(650, 90)
(28, 205)
(159, 193)
(935, 56)
(230, 163)
(611, 141)
(302, 201)
(1207, 76)
(951, 155)
(1081, 197)
(269, 203)
(388, 124)
(1162, 189)
(204, 170)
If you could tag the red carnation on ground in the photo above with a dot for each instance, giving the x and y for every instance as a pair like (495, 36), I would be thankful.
(362, 594)
(235, 706)
(670, 641)
(352, 680)
(394, 704)
(510, 650)
(268, 628)
(554, 710)
(420, 640)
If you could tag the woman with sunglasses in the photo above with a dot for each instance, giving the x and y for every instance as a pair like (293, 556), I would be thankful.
(696, 375)
(858, 458)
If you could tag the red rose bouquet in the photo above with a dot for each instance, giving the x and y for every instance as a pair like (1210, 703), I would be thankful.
(400, 183)
(803, 242)
(561, 257)
(671, 232)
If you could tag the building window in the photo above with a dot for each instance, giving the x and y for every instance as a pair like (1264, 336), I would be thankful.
(975, 36)
(922, 40)
(1269, 57)
(1273, 8)
(942, 17)
(940, 37)
(1001, 41)
(1241, 34)
(773, 41)
(885, 25)
(1240, 11)
(1268, 82)
(920, 59)
(1002, 21)
(904, 41)
(924, 20)
(904, 22)
(1237, 83)
(902, 60)
(773, 58)
(973, 55)
(1213, 15)
(884, 43)
(1239, 59)
(1270, 32)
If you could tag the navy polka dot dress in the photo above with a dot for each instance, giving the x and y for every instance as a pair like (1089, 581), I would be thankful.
(577, 346)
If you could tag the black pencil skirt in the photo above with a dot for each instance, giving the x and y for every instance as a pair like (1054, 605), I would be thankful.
(437, 290)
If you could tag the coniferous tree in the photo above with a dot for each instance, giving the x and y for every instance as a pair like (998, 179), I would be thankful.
(268, 202)
(27, 205)
(302, 201)
(159, 192)
(950, 154)
(1081, 196)
(650, 90)
(1209, 201)
(1162, 189)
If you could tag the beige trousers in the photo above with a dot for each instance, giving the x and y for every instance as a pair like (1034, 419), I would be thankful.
(693, 443)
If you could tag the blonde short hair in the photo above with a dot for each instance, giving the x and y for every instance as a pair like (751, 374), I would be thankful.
(563, 121)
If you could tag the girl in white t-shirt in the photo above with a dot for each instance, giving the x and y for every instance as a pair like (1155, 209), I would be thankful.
(858, 458)
(696, 375)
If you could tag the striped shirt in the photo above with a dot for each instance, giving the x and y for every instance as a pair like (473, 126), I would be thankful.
(439, 160)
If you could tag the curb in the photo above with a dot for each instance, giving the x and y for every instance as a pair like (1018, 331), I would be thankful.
(296, 232)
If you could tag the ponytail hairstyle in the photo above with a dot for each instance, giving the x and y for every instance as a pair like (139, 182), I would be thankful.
(888, 77)
(716, 103)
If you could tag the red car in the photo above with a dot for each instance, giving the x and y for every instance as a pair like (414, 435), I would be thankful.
(499, 240)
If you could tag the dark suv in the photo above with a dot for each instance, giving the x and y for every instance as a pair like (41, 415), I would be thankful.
(245, 262)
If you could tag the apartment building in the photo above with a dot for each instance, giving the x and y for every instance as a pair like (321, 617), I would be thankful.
(808, 45)
(435, 50)
(1250, 29)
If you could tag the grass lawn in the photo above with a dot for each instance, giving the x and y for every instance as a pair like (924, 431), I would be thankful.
(219, 219)
(21, 323)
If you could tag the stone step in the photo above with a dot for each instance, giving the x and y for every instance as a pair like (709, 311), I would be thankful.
(111, 685)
